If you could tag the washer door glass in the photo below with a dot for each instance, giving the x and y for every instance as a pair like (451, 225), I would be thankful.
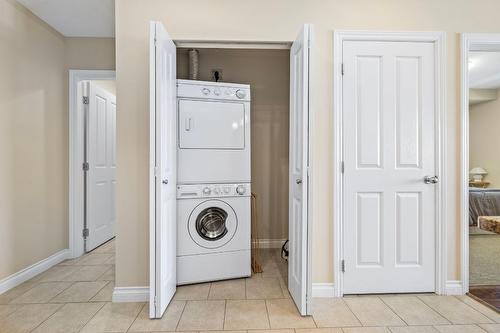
(211, 223)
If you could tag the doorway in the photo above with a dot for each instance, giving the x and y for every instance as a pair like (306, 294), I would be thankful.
(92, 152)
(480, 168)
(231, 64)
(389, 116)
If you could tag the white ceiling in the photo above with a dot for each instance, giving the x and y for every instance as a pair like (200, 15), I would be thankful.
(484, 70)
(76, 18)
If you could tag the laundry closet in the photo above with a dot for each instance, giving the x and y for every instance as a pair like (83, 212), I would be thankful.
(267, 72)
(229, 140)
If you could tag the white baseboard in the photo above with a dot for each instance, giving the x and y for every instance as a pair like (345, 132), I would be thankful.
(271, 243)
(29, 272)
(130, 294)
(453, 287)
(323, 290)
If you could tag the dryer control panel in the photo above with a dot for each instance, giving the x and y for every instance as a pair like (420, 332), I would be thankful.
(213, 90)
(213, 191)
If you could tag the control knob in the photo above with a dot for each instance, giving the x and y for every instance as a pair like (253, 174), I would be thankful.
(206, 190)
(240, 189)
(205, 91)
(240, 93)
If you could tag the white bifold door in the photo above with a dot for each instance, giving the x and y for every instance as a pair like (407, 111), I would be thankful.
(389, 157)
(298, 173)
(162, 195)
(100, 178)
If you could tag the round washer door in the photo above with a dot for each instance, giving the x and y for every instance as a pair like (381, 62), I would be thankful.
(212, 224)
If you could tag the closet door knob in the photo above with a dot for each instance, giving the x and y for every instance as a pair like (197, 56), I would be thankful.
(298, 181)
(431, 179)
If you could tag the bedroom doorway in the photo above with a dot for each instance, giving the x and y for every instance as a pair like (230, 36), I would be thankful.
(481, 167)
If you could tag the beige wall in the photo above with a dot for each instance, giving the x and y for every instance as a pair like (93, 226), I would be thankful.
(90, 53)
(107, 85)
(267, 72)
(267, 21)
(484, 138)
(34, 136)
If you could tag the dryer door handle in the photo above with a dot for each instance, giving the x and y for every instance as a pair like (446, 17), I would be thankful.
(188, 124)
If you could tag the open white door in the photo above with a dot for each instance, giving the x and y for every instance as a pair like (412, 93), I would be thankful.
(100, 178)
(163, 175)
(299, 162)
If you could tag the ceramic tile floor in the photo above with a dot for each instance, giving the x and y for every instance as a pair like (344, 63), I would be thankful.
(75, 296)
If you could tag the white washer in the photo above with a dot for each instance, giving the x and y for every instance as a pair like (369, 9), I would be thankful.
(213, 132)
(213, 232)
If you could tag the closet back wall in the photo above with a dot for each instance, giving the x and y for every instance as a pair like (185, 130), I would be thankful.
(268, 73)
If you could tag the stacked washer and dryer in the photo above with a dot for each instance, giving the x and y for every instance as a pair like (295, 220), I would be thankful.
(213, 191)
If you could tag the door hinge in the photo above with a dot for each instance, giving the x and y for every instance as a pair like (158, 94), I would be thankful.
(85, 233)
(342, 167)
(85, 100)
(342, 265)
(85, 166)
(155, 302)
(342, 68)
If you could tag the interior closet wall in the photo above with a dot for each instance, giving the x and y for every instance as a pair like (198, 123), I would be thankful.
(267, 72)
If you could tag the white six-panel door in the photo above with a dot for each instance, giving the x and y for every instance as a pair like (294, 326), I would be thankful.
(389, 148)
(163, 170)
(298, 177)
(101, 158)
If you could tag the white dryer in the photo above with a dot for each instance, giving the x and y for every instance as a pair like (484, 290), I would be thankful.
(214, 132)
(213, 232)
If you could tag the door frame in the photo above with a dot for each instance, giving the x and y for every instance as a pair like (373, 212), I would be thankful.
(439, 39)
(278, 45)
(469, 42)
(76, 155)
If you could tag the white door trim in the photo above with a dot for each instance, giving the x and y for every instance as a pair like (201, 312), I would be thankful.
(439, 38)
(232, 44)
(75, 133)
(469, 42)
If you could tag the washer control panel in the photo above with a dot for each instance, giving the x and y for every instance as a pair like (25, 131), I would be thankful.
(213, 90)
(213, 191)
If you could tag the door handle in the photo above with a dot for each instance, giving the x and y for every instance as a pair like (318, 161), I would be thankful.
(298, 181)
(431, 179)
(188, 124)
(165, 181)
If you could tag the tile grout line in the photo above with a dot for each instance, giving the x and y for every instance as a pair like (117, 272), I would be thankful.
(43, 321)
(268, 315)
(180, 317)
(92, 317)
(441, 315)
(105, 285)
(224, 319)
(182, 311)
(470, 306)
(135, 318)
(419, 297)
(452, 323)
(209, 289)
(458, 325)
(354, 314)
(392, 310)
